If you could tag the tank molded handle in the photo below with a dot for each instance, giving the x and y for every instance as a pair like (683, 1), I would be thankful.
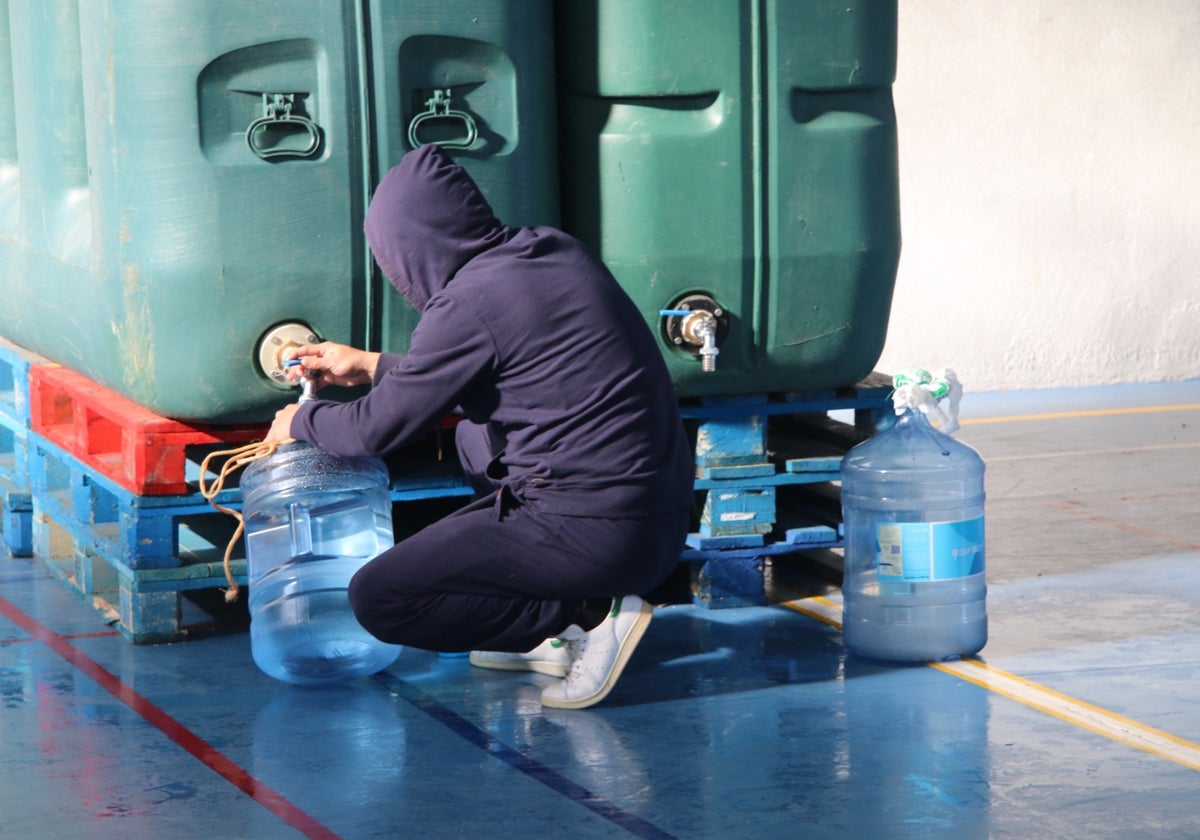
(440, 111)
(281, 134)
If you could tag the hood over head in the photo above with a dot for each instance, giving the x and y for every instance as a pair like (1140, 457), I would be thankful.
(427, 219)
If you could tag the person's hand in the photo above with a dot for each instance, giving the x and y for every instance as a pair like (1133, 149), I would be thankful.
(281, 427)
(333, 364)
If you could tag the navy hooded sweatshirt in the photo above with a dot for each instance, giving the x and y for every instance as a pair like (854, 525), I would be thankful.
(521, 329)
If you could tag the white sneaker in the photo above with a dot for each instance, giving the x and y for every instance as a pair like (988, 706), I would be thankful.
(600, 655)
(550, 657)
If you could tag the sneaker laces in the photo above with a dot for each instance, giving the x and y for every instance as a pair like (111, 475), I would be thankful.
(575, 649)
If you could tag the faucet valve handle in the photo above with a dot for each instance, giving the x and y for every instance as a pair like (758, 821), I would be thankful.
(696, 323)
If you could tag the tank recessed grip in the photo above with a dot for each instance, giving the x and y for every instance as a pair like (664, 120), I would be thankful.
(282, 133)
(438, 116)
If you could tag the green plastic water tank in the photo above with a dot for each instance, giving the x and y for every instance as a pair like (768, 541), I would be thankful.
(182, 191)
(739, 157)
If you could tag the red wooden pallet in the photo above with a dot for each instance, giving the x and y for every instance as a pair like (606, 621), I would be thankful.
(140, 450)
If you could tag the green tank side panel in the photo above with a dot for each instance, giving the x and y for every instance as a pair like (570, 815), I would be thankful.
(659, 161)
(148, 245)
(831, 190)
(747, 152)
(478, 78)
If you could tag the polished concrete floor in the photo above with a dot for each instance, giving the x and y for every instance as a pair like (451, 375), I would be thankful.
(1081, 719)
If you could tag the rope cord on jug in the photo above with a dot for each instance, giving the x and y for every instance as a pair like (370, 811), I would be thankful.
(235, 460)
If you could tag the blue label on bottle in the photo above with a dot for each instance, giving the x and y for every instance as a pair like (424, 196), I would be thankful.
(924, 551)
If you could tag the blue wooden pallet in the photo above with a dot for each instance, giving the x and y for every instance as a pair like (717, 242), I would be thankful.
(16, 505)
(137, 531)
(134, 556)
(131, 556)
(16, 519)
(14, 383)
(765, 464)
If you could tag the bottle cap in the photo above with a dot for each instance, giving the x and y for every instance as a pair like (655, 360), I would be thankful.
(916, 388)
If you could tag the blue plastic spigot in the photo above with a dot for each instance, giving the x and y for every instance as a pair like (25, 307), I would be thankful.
(308, 387)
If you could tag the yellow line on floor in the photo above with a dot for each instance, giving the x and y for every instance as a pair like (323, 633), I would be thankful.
(1097, 412)
(1085, 715)
(1036, 696)
(1087, 453)
(818, 607)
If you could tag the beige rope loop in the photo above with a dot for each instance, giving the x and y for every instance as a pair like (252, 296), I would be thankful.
(237, 458)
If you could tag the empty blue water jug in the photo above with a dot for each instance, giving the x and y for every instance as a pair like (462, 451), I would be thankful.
(312, 520)
(913, 583)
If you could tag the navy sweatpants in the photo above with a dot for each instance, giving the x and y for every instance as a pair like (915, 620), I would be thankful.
(500, 574)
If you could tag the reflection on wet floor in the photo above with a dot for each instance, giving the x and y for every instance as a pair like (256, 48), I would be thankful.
(727, 723)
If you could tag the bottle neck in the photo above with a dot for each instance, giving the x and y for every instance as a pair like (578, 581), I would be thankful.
(914, 417)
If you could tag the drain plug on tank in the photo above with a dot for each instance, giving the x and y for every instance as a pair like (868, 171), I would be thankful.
(276, 342)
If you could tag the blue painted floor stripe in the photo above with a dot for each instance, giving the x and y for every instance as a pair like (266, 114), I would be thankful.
(535, 770)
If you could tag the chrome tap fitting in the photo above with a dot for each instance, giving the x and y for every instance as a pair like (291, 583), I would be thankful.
(697, 324)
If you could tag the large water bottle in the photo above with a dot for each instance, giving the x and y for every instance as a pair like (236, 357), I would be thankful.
(312, 520)
(913, 585)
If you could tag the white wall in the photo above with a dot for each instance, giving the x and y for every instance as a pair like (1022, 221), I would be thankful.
(1050, 191)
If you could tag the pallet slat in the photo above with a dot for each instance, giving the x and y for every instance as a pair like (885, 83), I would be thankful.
(16, 505)
(15, 362)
